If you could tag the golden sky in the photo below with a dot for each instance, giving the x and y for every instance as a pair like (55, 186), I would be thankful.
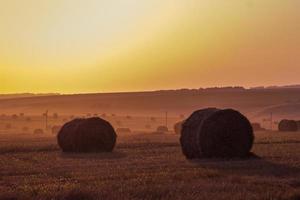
(73, 46)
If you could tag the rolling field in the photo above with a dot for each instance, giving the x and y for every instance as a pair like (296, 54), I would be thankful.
(147, 166)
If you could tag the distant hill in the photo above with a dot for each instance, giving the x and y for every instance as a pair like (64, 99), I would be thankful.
(252, 102)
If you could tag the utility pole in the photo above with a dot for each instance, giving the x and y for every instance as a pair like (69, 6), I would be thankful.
(166, 118)
(46, 119)
(271, 120)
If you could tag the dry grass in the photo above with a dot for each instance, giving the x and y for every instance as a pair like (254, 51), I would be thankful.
(145, 166)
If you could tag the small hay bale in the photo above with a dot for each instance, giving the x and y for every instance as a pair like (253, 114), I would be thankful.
(162, 129)
(219, 133)
(153, 119)
(25, 129)
(148, 126)
(123, 130)
(55, 115)
(8, 126)
(257, 127)
(14, 117)
(38, 131)
(288, 125)
(178, 127)
(55, 129)
(87, 135)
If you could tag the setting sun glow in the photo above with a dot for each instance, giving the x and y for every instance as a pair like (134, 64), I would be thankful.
(74, 46)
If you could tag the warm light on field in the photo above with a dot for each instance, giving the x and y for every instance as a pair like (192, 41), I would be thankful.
(79, 46)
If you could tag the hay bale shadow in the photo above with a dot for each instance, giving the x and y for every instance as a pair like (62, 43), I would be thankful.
(94, 156)
(250, 166)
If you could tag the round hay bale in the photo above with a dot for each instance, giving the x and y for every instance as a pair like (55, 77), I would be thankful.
(55, 129)
(219, 133)
(287, 125)
(14, 117)
(8, 126)
(123, 130)
(55, 115)
(298, 125)
(87, 135)
(25, 129)
(162, 129)
(38, 131)
(148, 126)
(257, 127)
(153, 119)
(178, 127)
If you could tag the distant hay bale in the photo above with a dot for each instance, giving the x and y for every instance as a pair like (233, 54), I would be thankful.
(153, 119)
(38, 131)
(14, 117)
(113, 115)
(55, 115)
(257, 127)
(21, 114)
(28, 119)
(123, 130)
(25, 129)
(213, 132)
(8, 126)
(128, 117)
(288, 125)
(162, 129)
(55, 129)
(178, 127)
(87, 135)
(148, 126)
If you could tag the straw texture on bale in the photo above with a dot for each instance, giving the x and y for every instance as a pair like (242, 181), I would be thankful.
(87, 135)
(287, 125)
(219, 133)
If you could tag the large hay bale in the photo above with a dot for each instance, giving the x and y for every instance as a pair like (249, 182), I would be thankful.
(213, 132)
(287, 125)
(55, 129)
(162, 129)
(298, 125)
(87, 135)
(178, 127)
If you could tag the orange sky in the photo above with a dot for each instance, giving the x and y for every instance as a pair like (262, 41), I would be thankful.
(73, 46)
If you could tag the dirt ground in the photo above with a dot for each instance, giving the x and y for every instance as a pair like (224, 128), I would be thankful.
(146, 165)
